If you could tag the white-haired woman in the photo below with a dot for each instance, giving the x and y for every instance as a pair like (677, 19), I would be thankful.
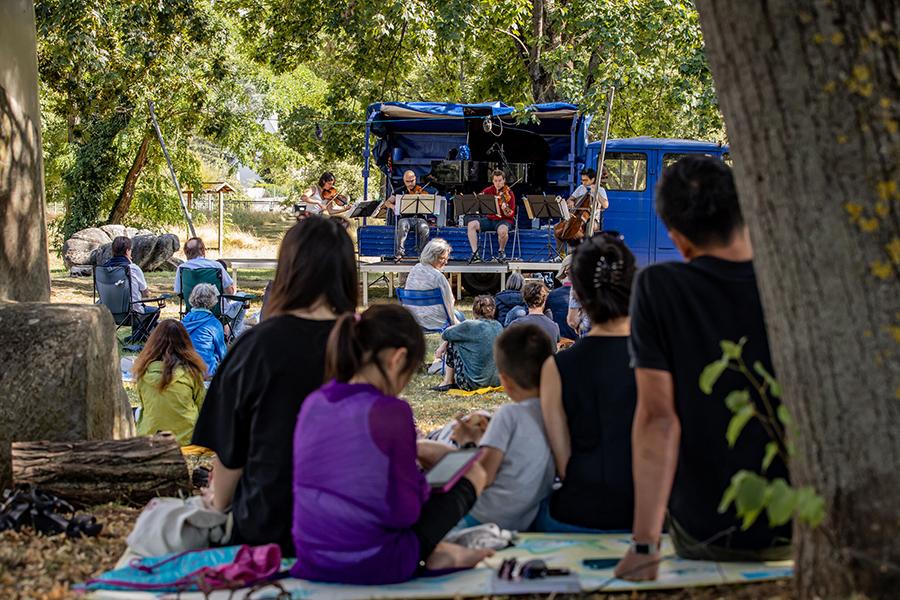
(427, 275)
(204, 328)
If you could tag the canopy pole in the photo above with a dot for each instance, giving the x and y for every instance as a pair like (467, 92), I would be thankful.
(366, 154)
(162, 143)
(600, 159)
(572, 135)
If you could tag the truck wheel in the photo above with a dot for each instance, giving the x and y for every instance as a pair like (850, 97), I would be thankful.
(481, 283)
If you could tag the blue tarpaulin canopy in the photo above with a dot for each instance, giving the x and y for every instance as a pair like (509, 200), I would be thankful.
(413, 134)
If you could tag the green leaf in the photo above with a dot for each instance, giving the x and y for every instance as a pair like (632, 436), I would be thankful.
(810, 506)
(782, 500)
(733, 350)
(729, 495)
(737, 400)
(784, 416)
(750, 498)
(711, 374)
(774, 386)
(738, 422)
(771, 453)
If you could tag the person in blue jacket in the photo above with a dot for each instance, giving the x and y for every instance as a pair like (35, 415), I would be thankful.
(204, 328)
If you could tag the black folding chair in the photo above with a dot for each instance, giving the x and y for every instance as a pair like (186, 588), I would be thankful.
(112, 289)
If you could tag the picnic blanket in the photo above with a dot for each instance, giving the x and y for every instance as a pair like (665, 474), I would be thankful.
(478, 392)
(558, 550)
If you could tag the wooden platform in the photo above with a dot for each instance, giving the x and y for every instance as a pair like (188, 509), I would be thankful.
(388, 269)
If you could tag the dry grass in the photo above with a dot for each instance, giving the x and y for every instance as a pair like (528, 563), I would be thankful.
(33, 566)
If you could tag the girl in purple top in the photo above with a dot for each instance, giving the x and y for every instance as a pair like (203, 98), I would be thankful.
(363, 513)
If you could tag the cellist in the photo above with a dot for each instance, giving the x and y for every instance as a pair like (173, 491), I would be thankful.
(580, 201)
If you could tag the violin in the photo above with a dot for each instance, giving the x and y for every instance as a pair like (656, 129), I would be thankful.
(572, 229)
(505, 209)
(333, 197)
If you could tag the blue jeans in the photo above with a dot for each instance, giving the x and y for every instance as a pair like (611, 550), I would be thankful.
(545, 523)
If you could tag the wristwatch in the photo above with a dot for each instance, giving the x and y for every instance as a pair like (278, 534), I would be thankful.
(644, 548)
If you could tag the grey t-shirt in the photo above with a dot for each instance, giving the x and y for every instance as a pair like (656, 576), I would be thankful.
(525, 476)
(547, 324)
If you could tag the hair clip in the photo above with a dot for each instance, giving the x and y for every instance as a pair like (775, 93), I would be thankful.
(357, 317)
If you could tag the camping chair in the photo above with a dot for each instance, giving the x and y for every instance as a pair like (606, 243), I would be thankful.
(112, 289)
(191, 277)
(431, 297)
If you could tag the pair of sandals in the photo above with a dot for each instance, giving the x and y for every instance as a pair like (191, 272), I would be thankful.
(501, 258)
(26, 506)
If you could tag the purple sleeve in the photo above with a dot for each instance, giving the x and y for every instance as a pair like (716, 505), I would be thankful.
(394, 433)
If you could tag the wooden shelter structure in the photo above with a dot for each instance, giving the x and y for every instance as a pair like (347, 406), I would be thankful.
(213, 189)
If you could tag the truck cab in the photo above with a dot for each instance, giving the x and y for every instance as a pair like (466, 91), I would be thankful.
(635, 165)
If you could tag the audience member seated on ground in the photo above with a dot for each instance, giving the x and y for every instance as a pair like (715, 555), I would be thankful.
(680, 313)
(195, 252)
(363, 512)
(558, 301)
(253, 400)
(147, 316)
(588, 397)
(205, 329)
(469, 350)
(517, 459)
(535, 294)
(427, 275)
(511, 297)
(169, 376)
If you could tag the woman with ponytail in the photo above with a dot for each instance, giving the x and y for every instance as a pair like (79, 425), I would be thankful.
(363, 512)
(254, 398)
(588, 398)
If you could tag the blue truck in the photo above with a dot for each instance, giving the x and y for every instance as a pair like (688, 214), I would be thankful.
(453, 148)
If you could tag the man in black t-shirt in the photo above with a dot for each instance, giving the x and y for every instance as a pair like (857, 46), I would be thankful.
(680, 313)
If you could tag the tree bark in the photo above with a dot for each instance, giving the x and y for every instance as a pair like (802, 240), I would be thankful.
(126, 195)
(810, 91)
(131, 471)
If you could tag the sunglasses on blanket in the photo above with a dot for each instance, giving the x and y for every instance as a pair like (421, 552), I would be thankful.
(511, 569)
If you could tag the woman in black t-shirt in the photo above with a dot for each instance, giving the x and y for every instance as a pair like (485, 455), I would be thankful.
(588, 398)
(252, 404)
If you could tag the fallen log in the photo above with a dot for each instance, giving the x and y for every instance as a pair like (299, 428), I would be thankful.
(129, 472)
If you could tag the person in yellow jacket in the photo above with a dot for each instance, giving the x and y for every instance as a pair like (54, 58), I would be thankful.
(169, 375)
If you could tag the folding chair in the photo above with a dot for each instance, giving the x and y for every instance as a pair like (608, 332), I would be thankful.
(431, 297)
(112, 289)
(192, 277)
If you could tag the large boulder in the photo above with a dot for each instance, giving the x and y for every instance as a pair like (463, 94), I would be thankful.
(149, 252)
(60, 378)
(77, 250)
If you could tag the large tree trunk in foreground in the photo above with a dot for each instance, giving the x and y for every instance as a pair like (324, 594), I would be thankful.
(126, 195)
(811, 95)
(131, 471)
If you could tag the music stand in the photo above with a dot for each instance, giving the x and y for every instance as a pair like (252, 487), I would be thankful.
(476, 204)
(417, 204)
(547, 207)
(380, 211)
(363, 209)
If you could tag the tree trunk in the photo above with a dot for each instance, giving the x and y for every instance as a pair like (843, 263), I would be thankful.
(126, 195)
(131, 471)
(810, 91)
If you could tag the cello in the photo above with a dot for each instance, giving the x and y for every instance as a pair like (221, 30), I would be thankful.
(572, 229)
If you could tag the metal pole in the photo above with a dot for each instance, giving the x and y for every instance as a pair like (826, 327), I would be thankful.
(600, 158)
(221, 222)
(162, 143)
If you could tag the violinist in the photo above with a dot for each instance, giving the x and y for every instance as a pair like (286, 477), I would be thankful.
(410, 186)
(325, 198)
(501, 223)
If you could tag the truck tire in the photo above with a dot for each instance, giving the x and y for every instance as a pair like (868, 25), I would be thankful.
(481, 283)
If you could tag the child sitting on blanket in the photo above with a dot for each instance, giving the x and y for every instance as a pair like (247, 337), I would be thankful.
(517, 457)
(363, 512)
(169, 375)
